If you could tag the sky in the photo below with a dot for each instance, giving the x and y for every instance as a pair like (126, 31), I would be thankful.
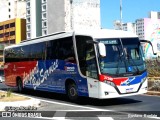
(131, 10)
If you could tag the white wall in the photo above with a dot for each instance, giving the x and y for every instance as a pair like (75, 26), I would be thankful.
(82, 14)
(33, 18)
(3, 9)
(14, 9)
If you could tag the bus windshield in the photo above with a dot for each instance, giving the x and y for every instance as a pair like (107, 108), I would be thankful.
(123, 57)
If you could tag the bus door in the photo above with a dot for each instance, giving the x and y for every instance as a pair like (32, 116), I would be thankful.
(87, 64)
(91, 71)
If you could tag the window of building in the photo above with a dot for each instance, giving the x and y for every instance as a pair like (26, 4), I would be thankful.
(28, 35)
(28, 4)
(7, 26)
(44, 1)
(44, 16)
(28, 27)
(9, 16)
(28, 20)
(1, 35)
(9, 3)
(12, 41)
(12, 33)
(5, 42)
(1, 27)
(6, 34)
(44, 24)
(44, 32)
(44, 8)
(28, 12)
(12, 25)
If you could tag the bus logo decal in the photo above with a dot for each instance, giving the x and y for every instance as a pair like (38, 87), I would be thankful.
(128, 81)
(69, 69)
(42, 75)
(92, 86)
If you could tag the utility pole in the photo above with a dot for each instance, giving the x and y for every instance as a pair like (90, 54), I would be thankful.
(121, 14)
(71, 14)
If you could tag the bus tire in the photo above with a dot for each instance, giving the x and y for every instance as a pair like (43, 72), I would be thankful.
(19, 85)
(72, 92)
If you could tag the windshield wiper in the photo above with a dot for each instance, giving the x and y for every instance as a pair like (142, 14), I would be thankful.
(124, 55)
(119, 59)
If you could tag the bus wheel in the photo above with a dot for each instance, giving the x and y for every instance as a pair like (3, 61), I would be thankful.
(72, 92)
(19, 85)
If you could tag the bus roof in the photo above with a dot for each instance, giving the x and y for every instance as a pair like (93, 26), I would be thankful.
(108, 33)
(101, 33)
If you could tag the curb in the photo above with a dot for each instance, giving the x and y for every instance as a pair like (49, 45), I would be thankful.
(153, 93)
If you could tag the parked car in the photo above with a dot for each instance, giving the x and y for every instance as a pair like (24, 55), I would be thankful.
(1, 76)
(1, 79)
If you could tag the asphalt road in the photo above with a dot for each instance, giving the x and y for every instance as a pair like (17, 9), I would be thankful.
(53, 105)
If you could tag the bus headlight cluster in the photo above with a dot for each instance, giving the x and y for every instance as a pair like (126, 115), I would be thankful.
(109, 83)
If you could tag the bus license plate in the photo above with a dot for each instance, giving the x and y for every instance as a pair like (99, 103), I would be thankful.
(128, 90)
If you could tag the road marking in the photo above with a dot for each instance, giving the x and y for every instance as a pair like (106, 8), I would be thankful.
(105, 118)
(91, 108)
(158, 118)
(57, 114)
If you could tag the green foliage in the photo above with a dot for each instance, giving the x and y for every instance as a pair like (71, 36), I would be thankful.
(9, 93)
(153, 67)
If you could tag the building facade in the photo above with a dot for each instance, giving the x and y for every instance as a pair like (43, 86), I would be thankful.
(10, 9)
(86, 14)
(129, 27)
(33, 18)
(11, 32)
(141, 24)
(140, 28)
(49, 16)
(149, 29)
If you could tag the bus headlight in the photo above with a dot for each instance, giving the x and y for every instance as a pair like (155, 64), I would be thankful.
(109, 83)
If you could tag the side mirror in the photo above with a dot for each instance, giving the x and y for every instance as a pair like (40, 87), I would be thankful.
(146, 41)
(102, 49)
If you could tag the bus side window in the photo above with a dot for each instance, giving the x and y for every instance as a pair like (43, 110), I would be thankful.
(66, 51)
(49, 47)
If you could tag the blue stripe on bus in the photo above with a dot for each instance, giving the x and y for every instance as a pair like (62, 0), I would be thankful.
(134, 80)
(50, 75)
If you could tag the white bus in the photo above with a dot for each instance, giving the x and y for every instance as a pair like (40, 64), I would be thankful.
(98, 64)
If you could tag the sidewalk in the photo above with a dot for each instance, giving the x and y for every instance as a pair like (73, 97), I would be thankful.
(153, 93)
(31, 102)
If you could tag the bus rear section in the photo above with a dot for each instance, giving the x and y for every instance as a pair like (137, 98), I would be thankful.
(45, 65)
